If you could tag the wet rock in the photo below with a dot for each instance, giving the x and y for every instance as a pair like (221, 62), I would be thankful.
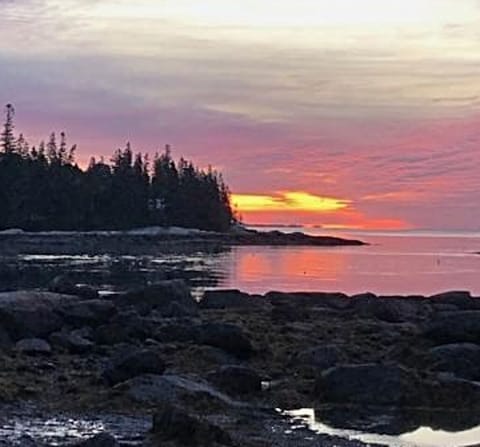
(454, 327)
(134, 363)
(33, 346)
(160, 296)
(228, 337)
(229, 299)
(461, 359)
(367, 384)
(100, 440)
(65, 285)
(156, 389)
(32, 314)
(236, 380)
(73, 342)
(172, 423)
(320, 357)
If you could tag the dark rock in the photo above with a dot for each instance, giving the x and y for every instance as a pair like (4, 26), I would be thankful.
(367, 384)
(462, 300)
(320, 357)
(100, 440)
(229, 299)
(156, 389)
(172, 423)
(33, 346)
(133, 364)
(228, 337)
(65, 285)
(123, 328)
(89, 312)
(236, 380)
(73, 342)
(338, 301)
(5, 340)
(177, 332)
(160, 296)
(449, 391)
(454, 327)
(462, 359)
(32, 314)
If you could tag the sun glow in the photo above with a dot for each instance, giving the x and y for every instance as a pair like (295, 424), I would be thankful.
(288, 201)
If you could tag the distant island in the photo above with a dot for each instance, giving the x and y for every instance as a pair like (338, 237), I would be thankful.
(43, 188)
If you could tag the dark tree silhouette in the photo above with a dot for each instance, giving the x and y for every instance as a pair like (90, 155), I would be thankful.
(43, 188)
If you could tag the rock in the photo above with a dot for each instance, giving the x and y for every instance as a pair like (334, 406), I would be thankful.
(449, 391)
(172, 423)
(101, 440)
(32, 314)
(33, 346)
(73, 342)
(125, 327)
(462, 300)
(133, 364)
(228, 337)
(320, 357)
(156, 389)
(367, 384)
(462, 359)
(177, 332)
(5, 341)
(236, 380)
(160, 296)
(89, 312)
(454, 327)
(229, 299)
(390, 309)
(64, 285)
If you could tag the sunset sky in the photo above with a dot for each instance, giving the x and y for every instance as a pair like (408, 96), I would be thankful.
(345, 113)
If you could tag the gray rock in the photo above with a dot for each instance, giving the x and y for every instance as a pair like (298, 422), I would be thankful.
(172, 423)
(454, 327)
(236, 380)
(123, 328)
(228, 337)
(65, 285)
(367, 384)
(88, 312)
(101, 440)
(133, 364)
(73, 342)
(461, 359)
(29, 314)
(33, 346)
(160, 296)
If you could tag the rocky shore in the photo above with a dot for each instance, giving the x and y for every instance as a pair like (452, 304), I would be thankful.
(219, 372)
(153, 240)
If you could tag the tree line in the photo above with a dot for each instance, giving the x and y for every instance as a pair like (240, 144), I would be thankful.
(43, 188)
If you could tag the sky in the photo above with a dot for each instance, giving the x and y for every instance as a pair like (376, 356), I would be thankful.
(345, 114)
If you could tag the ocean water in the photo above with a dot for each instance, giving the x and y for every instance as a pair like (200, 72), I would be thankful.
(393, 263)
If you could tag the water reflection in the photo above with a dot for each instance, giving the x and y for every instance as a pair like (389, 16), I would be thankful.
(392, 427)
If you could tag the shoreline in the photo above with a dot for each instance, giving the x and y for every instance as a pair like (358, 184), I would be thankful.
(224, 364)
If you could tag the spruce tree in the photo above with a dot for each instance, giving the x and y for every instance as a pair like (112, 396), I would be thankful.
(7, 138)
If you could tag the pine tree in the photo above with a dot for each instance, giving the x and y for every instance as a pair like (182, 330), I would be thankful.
(7, 138)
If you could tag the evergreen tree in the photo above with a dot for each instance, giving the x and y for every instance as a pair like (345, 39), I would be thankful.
(7, 138)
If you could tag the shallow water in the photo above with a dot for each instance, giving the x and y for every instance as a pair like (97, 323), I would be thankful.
(423, 436)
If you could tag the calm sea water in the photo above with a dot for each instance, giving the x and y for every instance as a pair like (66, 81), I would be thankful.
(393, 263)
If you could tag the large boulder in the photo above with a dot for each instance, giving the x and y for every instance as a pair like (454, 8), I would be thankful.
(458, 300)
(461, 359)
(367, 384)
(454, 327)
(229, 337)
(127, 326)
(172, 423)
(236, 380)
(65, 285)
(88, 312)
(161, 296)
(74, 342)
(30, 314)
(132, 364)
